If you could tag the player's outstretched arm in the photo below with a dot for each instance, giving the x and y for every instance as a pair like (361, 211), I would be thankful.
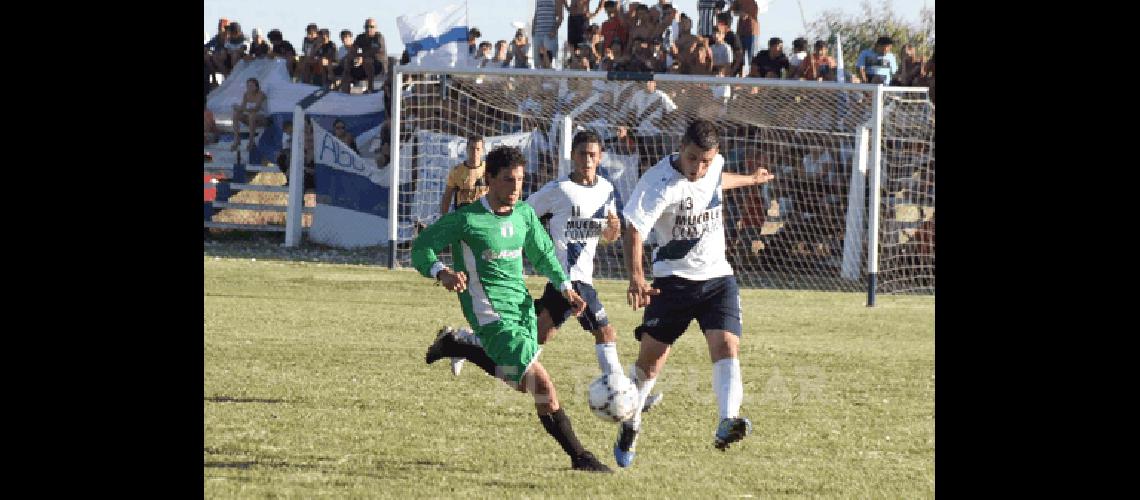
(730, 180)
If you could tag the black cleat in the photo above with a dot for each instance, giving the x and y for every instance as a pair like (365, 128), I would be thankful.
(435, 351)
(588, 462)
(730, 431)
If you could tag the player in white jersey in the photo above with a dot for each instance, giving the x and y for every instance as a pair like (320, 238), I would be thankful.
(582, 209)
(679, 199)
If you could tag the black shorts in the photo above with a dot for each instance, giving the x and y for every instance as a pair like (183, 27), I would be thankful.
(576, 28)
(593, 318)
(714, 303)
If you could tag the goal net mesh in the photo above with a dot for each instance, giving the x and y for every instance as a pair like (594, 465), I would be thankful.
(806, 229)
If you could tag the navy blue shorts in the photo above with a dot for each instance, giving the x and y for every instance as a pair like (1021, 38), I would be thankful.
(593, 318)
(714, 303)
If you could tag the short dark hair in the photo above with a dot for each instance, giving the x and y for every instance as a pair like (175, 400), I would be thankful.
(484, 43)
(610, 4)
(474, 33)
(819, 44)
(344, 33)
(311, 27)
(274, 35)
(474, 138)
(774, 41)
(503, 157)
(884, 40)
(799, 43)
(325, 32)
(702, 133)
(585, 137)
(724, 18)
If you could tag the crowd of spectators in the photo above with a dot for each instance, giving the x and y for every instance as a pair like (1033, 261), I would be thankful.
(632, 36)
(359, 58)
(640, 37)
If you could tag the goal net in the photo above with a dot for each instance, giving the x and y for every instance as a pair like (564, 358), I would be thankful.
(806, 229)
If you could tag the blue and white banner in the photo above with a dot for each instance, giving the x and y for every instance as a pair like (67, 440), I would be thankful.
(436, 38)
(352, 195)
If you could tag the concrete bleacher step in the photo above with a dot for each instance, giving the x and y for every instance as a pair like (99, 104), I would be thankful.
(246, 227)
(241, 186)
(223, 205)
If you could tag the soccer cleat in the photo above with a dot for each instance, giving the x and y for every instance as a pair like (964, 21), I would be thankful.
(626, 445)
(588, 462)
(457, 365)
(652, 401)
(435, 351)
(730, 431)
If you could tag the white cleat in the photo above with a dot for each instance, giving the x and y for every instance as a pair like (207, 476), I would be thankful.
(652, 401)
(457, 365)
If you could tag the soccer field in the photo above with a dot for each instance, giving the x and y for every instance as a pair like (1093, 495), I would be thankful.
(315, 384)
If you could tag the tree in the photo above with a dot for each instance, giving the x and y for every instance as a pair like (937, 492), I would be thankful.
(860, 31)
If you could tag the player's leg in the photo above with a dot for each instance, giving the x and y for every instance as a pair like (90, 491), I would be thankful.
(552, 309)
(556, 422)
(666, 318)
(447, 345)
(720, 319)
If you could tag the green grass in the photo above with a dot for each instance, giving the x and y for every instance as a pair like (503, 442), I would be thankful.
(315, 385)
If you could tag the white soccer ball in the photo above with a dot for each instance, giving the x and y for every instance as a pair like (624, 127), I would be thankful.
(613, 397)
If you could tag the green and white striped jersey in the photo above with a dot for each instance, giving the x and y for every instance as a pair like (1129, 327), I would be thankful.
(489, 248)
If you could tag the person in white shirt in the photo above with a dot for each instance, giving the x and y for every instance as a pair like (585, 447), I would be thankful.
(680, 200)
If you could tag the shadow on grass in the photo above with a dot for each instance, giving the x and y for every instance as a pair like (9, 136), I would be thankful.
(245, 245)
(227, 399)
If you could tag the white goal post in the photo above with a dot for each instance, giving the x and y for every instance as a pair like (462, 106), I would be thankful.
(807, 229)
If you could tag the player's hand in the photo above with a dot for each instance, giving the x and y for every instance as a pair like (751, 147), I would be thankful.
(453, 281)
(639, 293)
(577, 304)
(762, 175)
(612, 231)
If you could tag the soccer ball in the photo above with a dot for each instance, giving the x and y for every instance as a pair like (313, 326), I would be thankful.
(613, 397)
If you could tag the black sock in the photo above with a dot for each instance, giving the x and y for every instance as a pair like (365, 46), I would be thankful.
(557, 424)
(473, 353)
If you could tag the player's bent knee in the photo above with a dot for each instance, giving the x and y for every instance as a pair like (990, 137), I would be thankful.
(722, 344)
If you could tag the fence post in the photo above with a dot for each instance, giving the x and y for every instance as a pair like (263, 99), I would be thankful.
(394, 168)
(296, 180)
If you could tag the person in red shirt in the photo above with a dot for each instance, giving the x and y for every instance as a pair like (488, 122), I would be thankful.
(613, 28)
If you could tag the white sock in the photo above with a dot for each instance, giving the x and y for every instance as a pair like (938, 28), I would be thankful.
(466, 336)
(608, 358)
(643, 389)
(728, 386)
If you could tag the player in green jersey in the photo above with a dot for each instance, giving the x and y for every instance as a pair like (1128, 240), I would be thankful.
(489, 238)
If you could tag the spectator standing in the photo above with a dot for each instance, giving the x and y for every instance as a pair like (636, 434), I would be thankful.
(326, 57)
(878, 64)
(723, 22)
(579, 20)
(308, 53)
(236, 46)
(707, 11)
(613, 28)
(747, 25)
(547, 20)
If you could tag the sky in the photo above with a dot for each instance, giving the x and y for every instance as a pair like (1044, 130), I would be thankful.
(492, 17)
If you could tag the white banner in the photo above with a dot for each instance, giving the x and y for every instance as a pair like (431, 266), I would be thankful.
(435, 38)
(352, 195)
